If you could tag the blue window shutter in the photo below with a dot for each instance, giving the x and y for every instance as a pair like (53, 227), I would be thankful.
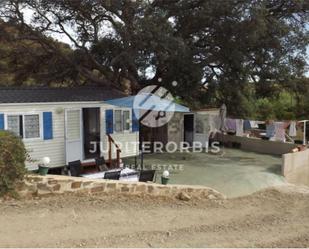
(135, 122)
(1, 121)
(48, 125)
(109, 118)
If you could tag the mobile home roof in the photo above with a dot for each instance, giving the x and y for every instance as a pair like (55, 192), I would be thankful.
(47, 94)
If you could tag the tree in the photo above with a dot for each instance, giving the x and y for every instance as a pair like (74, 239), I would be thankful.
(240, 48)
(24, 62)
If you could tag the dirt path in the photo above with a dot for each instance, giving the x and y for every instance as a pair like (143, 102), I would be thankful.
(272, 218)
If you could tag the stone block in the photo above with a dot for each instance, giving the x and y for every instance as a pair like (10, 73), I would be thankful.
(111, 186)
(33, 179)
(151, 189)
(44, 187)
(190, 190)
(166, 192)
(97, 189)
(125, 189)
(76, 185)
(52, 182)
(87, 184)
(56, 187)
(183, 196)
(141, 188)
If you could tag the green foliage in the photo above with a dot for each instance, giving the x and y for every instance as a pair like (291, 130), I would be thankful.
(282, 107)
(266, 111)
(12, 162)
(285, 106)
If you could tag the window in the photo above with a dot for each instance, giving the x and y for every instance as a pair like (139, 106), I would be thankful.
(122, 121)
(126, 120)
(25, 126)
(15, 124)
(118, 121)
(32, 126)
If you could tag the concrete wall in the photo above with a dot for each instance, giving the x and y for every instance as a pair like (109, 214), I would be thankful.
(35, 185)
(257, 145)
(295, 167)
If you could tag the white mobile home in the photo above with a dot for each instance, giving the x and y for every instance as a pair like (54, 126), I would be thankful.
(65, 123)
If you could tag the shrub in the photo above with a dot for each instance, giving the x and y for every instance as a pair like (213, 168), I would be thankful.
(12, 162)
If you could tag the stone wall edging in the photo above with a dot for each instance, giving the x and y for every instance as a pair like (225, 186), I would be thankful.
(35, 185)
(295, 167)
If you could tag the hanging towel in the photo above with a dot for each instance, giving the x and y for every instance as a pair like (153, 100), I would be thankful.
(247, 125)
(280, 131)
(239, 127)
(270, 130)
(231, 124)
(292, 130)
(254, 124)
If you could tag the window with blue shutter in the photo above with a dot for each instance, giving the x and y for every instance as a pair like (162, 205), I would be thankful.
(1, 121)
(135, 122)
(47, 125)
(109, 118)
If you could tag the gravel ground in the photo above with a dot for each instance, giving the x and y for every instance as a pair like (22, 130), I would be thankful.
(276, 217)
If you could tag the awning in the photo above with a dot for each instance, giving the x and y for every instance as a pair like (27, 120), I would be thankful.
(148, 102)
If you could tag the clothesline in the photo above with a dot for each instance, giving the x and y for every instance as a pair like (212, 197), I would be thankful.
(274, 130)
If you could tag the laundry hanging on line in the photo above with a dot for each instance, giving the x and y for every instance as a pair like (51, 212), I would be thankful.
(239, 127)
(279, 131)
(292, 129)
(231, 124)
(270, 130)
(247, 125)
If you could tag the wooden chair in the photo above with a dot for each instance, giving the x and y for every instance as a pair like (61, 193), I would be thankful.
(112, 175)
(147, 176)
(75, 168)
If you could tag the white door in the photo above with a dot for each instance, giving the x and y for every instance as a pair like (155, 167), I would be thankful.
(73, 135)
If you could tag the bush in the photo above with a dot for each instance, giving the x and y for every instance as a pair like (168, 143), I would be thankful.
(12, 162)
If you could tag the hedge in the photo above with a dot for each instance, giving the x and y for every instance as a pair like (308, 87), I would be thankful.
(12, 162)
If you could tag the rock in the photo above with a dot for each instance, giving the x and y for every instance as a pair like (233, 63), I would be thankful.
(211, 197)
(169, 234)
(183, 196)
(14, 205)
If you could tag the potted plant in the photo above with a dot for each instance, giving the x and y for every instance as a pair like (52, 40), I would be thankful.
(165, 177)
(43, 166)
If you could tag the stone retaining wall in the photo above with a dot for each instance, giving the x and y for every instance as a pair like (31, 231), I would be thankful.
(35, 185)
(295, 167)
(257, 145)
